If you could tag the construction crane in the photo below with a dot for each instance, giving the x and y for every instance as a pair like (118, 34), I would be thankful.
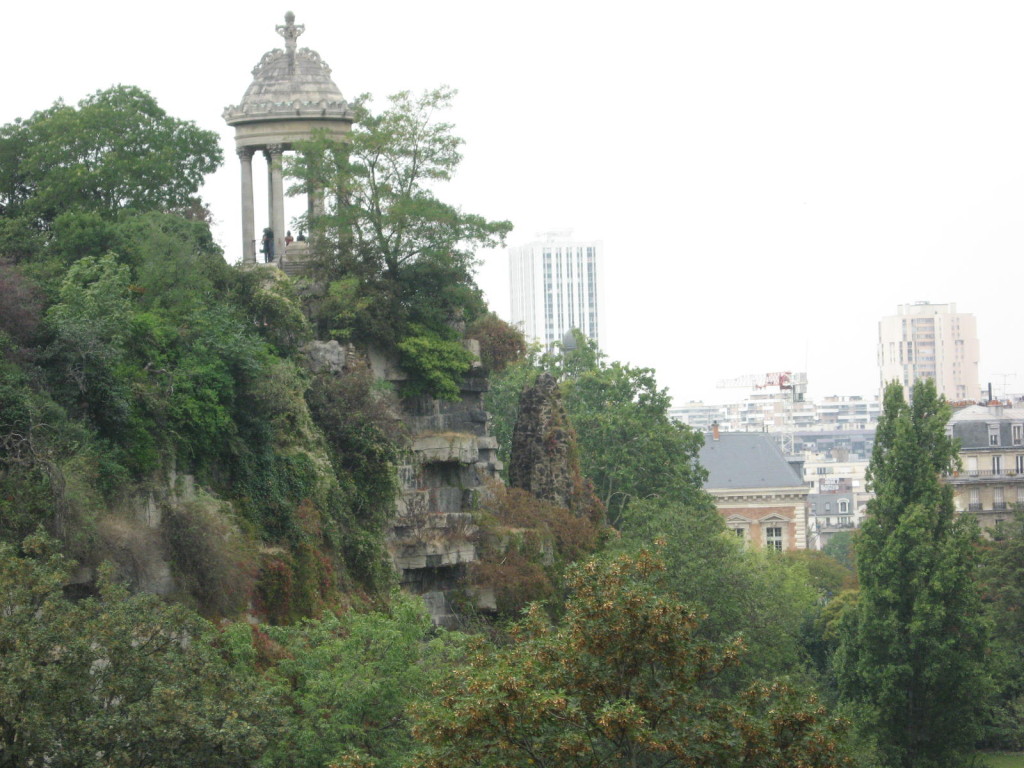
(786, 381)
(795, 384)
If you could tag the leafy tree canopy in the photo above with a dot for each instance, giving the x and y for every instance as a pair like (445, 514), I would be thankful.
(575, 694)
(1002, 582)
(766, 599)
(115, 679)
(350, 680)
(501, 344)
(413, 255)
(118, 150)
(629, 447)
(911, 652)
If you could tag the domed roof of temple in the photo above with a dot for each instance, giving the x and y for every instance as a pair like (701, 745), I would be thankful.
(289, 84)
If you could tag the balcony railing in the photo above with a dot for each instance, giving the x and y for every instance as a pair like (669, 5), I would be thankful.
(999, 505)
(967, 474)
(974, 507)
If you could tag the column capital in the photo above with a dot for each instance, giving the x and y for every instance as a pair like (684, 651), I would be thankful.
(273, 149)
(245, 153)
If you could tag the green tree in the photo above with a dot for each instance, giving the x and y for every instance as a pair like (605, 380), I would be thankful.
(766, 599)
(117, 151)
(412, 254)
(90, 324)
(501, 344)
(912, 656)
(350, 680)
(1002, 583)
(629, 448)
(575, 694)
(841, 547)
(115, 680)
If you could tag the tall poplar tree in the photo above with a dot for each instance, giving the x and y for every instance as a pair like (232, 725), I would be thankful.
(912, 654)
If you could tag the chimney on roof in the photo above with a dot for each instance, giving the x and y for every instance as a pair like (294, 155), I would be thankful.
(714, 430)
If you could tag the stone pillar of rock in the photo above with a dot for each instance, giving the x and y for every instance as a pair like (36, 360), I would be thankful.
(541, 460)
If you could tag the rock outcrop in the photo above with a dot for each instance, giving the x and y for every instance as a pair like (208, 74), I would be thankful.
(544, 460)
(451, 460)
(542, 444)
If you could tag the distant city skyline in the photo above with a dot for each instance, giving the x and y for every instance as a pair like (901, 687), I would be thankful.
(772, 178)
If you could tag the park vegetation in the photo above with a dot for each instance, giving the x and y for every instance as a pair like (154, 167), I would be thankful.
(157, 408)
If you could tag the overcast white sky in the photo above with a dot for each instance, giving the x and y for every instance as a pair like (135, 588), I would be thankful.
(768, 178)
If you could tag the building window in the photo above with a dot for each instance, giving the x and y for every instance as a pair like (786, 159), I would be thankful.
(740, 533)
(1019, 464)
(1018, 434)
(993, 434)
(844, 506)
(974, 500)
(998, 500)
(997, 465)
(773, 538)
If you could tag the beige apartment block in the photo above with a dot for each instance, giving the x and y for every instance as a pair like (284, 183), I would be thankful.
(930, 341)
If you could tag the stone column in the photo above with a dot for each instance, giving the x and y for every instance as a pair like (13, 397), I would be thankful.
(270, 187)
(275, 155)
(248, 222)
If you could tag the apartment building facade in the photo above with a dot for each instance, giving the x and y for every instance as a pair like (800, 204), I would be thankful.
(930, 341)
(990, 481)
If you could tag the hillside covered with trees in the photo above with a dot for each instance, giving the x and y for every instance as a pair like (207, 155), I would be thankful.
(193, 518)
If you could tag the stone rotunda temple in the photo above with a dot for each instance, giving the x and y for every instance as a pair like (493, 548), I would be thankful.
(291, 98)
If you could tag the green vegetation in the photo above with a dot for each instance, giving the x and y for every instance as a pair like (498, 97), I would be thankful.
(1002, 759)
(574, 693)
(161, 429)
(768, 602)
(134, 358)
(349, 681)
(1002, 588)
(629, 448)
(390, 246)
(911, 653)
(117, 152)
(115, 679)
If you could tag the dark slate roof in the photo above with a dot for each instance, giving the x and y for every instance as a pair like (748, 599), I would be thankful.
(746, 460)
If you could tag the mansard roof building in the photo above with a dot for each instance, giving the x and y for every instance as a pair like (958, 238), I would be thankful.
(761, 494)
(990, 482)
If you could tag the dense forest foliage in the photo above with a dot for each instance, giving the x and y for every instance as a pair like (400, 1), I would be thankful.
(192, 518)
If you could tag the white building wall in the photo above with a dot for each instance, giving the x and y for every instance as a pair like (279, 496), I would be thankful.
(935, 341)
(556, 286)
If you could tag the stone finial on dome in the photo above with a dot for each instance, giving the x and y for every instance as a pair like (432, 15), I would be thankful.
(290, 31)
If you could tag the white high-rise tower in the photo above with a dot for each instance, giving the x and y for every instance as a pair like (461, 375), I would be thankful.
(930, 341)
(556, 286)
